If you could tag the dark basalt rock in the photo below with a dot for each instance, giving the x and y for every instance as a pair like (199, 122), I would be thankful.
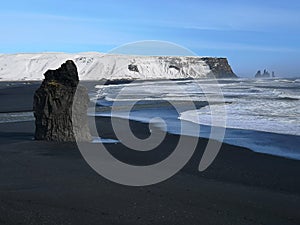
(266, 74)
(57, 119)
(174, 67)
(132, 67)
(219, 67)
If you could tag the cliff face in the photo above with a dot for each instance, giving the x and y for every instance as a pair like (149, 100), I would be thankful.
(97, 66)
(220, 67)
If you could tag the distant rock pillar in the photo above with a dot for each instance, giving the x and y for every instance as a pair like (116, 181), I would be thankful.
(53, 106)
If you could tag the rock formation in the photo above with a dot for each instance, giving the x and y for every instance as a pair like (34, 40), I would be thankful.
(56, 118)
(219, 67)
(132, 67)
(265, 74)
(258, 73)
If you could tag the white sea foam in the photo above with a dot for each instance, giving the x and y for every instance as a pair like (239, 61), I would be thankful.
(275, 117)
(289, 95)
(104, 140)
(266, 106)
(16, 117)
(263, 105)
(160, 90)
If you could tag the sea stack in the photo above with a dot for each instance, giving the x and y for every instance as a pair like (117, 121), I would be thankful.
(56, 117)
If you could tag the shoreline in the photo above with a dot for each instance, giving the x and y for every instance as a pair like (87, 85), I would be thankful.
(24, 131)
(251, 139)
(17, 99)
(226, 156)
(234, 141)
(47, 181)
(50, 183)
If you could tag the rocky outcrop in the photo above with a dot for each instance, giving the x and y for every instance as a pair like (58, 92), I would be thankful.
(219, 67)
(133, 68)
(56, 118)
(265, 74)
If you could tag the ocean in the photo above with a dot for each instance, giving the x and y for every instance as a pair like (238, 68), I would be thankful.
(260, 114)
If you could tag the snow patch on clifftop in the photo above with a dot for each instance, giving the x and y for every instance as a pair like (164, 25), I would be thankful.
(96, 66)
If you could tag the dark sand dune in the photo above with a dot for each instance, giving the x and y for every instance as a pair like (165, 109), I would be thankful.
(50, 183)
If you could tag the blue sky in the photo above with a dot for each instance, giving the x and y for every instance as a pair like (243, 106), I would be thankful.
(251, 34)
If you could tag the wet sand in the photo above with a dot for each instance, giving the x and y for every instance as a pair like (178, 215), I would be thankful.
(50, 183)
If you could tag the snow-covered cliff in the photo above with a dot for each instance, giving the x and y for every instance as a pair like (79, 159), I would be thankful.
(96, 66)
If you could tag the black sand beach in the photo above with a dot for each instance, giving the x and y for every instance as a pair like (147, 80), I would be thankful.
(50, 183)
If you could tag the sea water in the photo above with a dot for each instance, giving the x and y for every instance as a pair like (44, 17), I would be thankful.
(261, 114)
